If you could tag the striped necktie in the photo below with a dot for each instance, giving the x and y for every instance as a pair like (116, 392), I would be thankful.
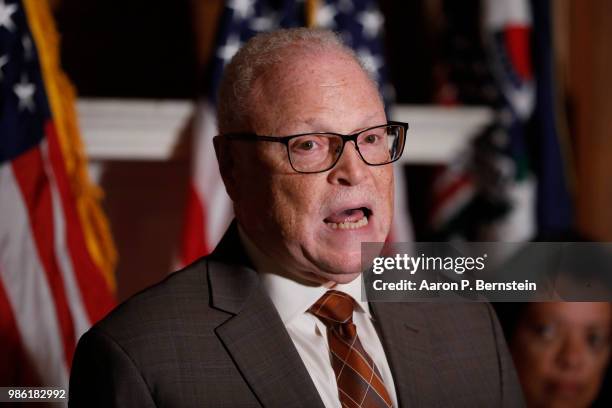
(359, 381)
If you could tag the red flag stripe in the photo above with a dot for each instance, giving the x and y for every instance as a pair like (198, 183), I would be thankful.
(94, 289)
(209, 210)
(34, 186)
(80, 319)
(27, 289)
(517, 43)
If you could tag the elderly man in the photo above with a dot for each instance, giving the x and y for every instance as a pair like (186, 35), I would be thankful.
(274, 316)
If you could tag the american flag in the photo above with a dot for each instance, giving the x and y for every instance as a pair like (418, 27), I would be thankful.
(360, 24)
(56, 255)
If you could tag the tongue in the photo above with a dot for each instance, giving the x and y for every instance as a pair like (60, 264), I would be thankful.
(352, 215)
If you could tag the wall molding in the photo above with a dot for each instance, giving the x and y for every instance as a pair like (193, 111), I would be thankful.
(145, 129)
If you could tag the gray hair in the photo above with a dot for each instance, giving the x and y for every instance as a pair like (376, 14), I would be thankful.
(258, 55)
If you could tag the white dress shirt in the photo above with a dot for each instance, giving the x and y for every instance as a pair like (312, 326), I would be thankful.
(292, 299)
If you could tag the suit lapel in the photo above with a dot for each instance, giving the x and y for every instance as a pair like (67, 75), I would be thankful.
(255, 335)
(265, 355)
(405, 338)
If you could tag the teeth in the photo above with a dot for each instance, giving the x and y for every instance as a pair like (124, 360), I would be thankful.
(348, 224)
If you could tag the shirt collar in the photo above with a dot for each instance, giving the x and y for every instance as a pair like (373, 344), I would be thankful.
(293, 297)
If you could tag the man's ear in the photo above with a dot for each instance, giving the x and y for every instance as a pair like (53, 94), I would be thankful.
(226, 165)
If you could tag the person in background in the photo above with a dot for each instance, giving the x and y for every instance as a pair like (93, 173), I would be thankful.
(560, 349)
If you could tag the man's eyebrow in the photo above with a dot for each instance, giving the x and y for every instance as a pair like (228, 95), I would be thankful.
(316, 125)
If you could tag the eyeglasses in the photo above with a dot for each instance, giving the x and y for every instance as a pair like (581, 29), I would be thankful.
(319, 152)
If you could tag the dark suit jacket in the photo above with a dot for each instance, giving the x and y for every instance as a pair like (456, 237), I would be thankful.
(209, 336)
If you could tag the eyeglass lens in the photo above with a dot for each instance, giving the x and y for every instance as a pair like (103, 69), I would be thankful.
(314, 152)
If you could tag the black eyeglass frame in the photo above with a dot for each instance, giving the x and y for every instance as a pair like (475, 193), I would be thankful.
(252, 137)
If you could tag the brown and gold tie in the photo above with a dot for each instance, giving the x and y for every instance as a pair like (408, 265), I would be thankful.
(359, 381)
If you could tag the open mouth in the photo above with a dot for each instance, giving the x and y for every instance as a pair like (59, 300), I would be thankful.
(351, 218)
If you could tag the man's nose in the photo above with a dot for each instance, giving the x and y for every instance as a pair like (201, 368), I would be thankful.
(350, 169)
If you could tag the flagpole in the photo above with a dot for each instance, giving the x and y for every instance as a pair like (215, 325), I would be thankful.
(311, 12)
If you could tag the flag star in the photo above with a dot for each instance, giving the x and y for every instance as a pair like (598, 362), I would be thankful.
(243, 9)
(6, 11)
(25, 92)
(263, 23)
(521, 99)
(231, 47)
(372, 62)
(325, 16)
(26, 42)
(371, 21)
(3, 61)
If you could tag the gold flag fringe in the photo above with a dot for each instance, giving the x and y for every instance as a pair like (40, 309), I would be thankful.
(61, 96)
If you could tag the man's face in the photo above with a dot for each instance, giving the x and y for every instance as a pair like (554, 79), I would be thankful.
(312, 225)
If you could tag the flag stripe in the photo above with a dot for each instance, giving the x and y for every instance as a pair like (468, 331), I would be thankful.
(34, 186)
(88, 275)
(209, 209)
(75, 302)
(26, 286)
(517, 44)
(208, 183)
(12, 347)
